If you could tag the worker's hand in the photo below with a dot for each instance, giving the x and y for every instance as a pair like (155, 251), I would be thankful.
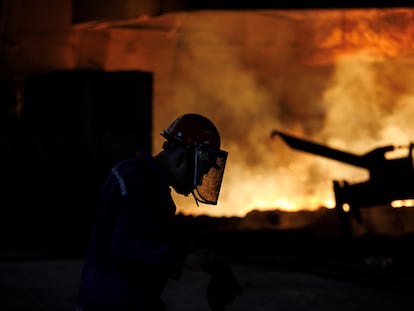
(223, 288)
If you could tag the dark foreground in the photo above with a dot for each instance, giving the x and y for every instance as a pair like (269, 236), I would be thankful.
(278, 271)
(51, 285)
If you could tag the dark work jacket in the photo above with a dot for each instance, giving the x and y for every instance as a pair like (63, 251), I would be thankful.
(131, 254)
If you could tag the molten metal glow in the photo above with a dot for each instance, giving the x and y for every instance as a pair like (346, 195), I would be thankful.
(346, 208)
(402, 203)
(341, 77)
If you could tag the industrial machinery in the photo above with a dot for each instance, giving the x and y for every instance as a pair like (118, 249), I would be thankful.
(390, 179)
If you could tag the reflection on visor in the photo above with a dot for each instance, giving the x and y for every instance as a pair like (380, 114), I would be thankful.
(209, 168)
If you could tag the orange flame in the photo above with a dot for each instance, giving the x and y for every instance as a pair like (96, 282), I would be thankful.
(342, 77)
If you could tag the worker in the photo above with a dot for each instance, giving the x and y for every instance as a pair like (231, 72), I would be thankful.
(133, 251)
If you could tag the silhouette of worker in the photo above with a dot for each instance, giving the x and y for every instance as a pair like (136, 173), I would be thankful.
(132, 253)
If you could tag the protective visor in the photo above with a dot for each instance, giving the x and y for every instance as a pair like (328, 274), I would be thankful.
(209, 168)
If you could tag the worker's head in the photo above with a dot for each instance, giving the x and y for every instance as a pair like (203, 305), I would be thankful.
(195, 142)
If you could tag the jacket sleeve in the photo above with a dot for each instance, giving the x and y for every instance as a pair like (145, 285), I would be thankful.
(141, 239)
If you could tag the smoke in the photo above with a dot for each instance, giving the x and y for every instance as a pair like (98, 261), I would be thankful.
(368, 104)
(253, 73)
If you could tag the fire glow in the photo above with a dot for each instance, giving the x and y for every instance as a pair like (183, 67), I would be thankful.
(341, 77)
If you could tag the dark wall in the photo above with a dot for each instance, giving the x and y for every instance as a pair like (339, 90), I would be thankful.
(74, 126)
(98, 10)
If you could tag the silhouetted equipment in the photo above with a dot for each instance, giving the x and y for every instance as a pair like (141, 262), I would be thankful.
(389, 179)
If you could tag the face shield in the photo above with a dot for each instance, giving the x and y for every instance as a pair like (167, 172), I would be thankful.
(209, 165)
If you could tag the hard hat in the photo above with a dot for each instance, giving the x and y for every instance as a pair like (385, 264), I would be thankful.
(192, 129)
